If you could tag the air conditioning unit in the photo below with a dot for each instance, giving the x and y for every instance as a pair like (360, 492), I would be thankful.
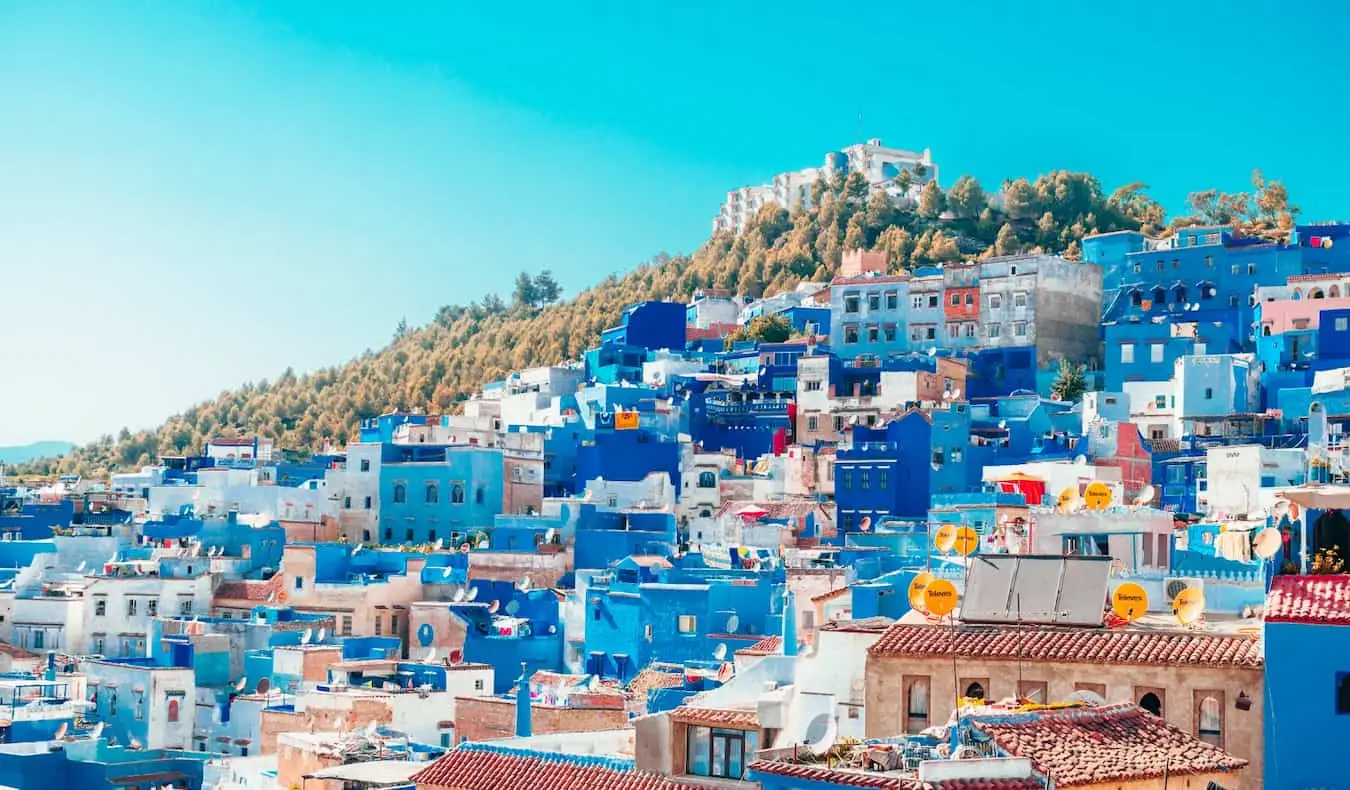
(1173, 586)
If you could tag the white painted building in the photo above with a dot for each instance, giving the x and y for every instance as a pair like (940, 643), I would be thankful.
(355, 489)
(700, 476)
(120, 608)
(879, 165)
(712, 306)
(137, 484)
(160, 698)
(1243, 480)
(1153, 408)
(52, 619)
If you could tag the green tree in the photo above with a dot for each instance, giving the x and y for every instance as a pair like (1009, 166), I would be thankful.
(1070, 383)
(966, 198)
(1019, 199)
(763, 329)
(546, 289)
(931, 201)
(526, 294)
(855, 187)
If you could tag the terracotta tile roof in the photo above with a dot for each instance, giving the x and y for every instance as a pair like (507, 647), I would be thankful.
(649, 679)
(233, 441)
(1324, 600)
(249, 589)
(831, 595)
(1077, 645)
(782, 508)
(480, 767)
(834, 777)
(716, 717)
(14, 651)
(767, 646)
(1091, 746)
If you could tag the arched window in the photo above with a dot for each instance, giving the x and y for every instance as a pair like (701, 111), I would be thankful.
(1315, 293)
(975, 691)
(433, 494)
(456, 494)
(1151, 703)
(917, 706)
(1265, 330)
(400, 493)
(1297, 294)
(1136, 297)
(707, 480)
(1159, 295)
(1209, 728)
(1334, 292)
(1180, 292)
(173, 710)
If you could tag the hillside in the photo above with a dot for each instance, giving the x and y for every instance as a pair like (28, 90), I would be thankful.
(437, 365)
(19, 454)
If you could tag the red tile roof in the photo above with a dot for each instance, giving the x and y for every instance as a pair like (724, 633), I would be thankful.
(820, 773)
(484, 769)
(716, 717)
(1077, 645)
(781, 508)
(767, 646)
(832, 594)
(249, 589)
(1324, 600)
(649, 679)
(1115, 743)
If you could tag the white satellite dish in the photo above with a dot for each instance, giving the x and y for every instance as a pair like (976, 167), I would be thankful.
(932, 351)
(820, 733)
(431, 654)
(1080, 460)
(524, 583)
(956, 394)
(323, 634)
(733, 623)
(356, 549)
(512, 607)
(437, 545)
(1146, 495)
(80, 567)
(459, 595)
(1085, 697)
(720, 652)
(1002, 424)
(1268, 542)
(306, 636)
(472, 594)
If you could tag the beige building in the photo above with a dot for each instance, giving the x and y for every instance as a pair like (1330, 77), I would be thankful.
(1210, 686)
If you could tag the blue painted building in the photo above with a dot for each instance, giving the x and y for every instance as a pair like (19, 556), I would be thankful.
(649, 325)
(894, 470)
(629, 455)
(995, 372)
(1146, 349)
(433, 491)
(747, 421)
(869, 316)
(381, 428)
(508, 627)
(604, 537)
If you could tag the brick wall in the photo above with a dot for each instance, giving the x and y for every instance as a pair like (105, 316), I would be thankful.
(489, 718)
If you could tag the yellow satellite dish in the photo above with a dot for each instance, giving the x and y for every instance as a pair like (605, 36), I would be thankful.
(945, 538)
(1268, 542)
(1129, 601)
(1189, 605)
(1098, 496)
(940, 597)
(1066, 496)
(917, 586)
(967, 541)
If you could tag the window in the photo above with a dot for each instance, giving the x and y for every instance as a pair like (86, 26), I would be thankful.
(687, 624)
(1342, 324)
(346, 625)
(379, 624)
(112, 703)
(1150, 699)
(1020, 299)
(953, 331)
(883, 479)
(892, 300)
(970, 330)
(890, 333)
(937, 456)
(956, 300)
(718, 752)
(457, 494)
(1033, 690)
(850, 334)
(131, 607)
(408, 535)
(1209, 717)
(400, 493)
(478, 685)
(173, 710)
(993, 331)
(874, 302)
(916, 302)
(871, 334)
(1209, 393)
(1020, 328)
(1159, 401)
(700, 751)
(478, 495)
(930, 333)
(365, 464)
(393, 623)
(864, 478)
(975, 689)
(368, 503)
(433, 494)
(1155, 352)
(299, 582)
(970, 299)
(932, 300)
(388, 534)
(1126, 353)
(1138, 268)
(916, 703)
(100, 607)
(139, 706)
(813, 423)
(850, 304)
(185, 606)
(39, 639)
(1251, 268)
(995, 301)
(956, 455)
(347, 503)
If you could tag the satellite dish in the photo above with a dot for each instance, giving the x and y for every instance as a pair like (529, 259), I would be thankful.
(1189, 605)
(1002, 424)
(80, 567)
(940, 597)
(956, 394)
(493, 607)
(524, 583)
(455, 656)
(436, 546)
(1087, 698)
(967, 541)
(357, 549)
(1146, 495)
(473, 594)
(1268, 541)
(917, 586)
(1080, 460)
(932, 351)
(733, 623)
(97, 732)
(865, 524)
(323, 634)
(1129, 602)
(720, 652)
(1065, 497)
(1097, 495)
(945, 538)
(60, 731)
(264, 686)
(306, 636)
(431, 655)
(512, 607)
(459, 595)
(239, 687)
(820, 733)
(426, 634)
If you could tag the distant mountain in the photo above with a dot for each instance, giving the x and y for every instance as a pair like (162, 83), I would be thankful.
(27, 452)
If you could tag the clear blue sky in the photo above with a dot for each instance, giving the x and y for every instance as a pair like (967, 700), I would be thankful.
(195, 194)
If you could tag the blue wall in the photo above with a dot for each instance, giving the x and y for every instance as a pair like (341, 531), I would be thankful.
(1303, 732)
(628, 456)
(472, 475)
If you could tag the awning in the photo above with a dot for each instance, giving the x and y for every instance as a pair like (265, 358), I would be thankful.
(376, 773)
(1319, 497)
